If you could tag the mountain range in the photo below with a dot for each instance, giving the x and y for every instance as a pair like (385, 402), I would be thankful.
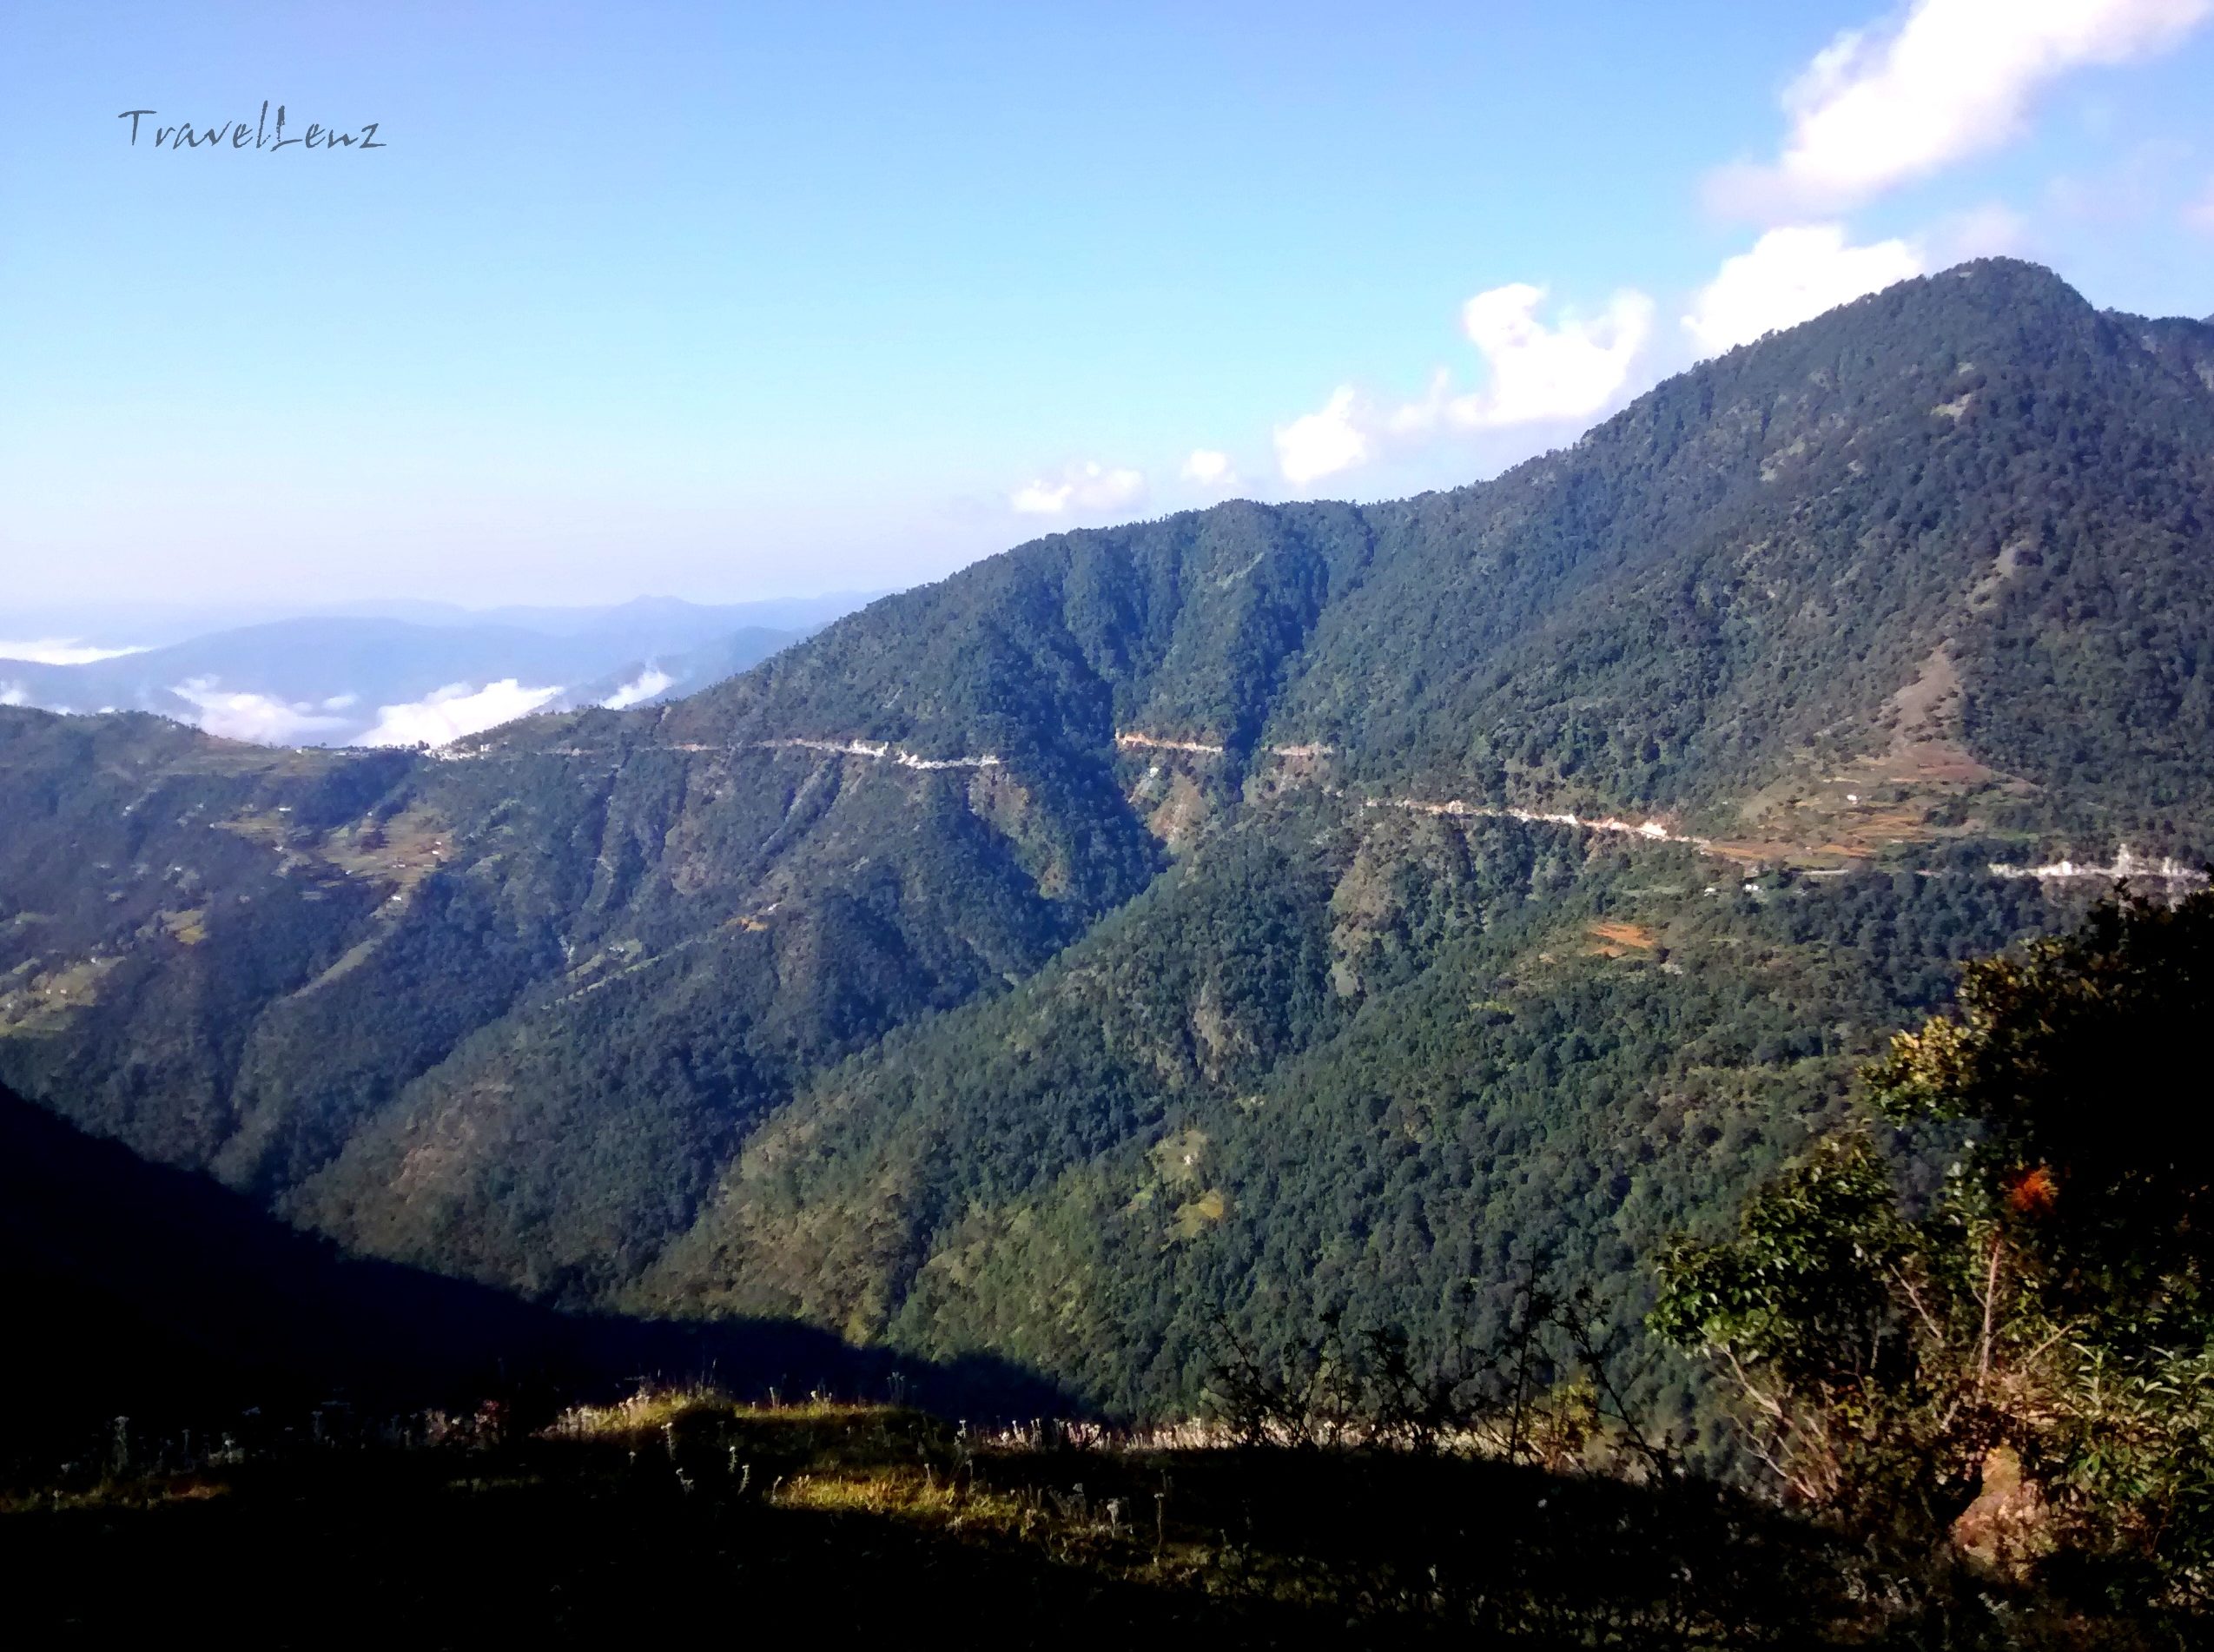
(418, 672)
(1262, 917)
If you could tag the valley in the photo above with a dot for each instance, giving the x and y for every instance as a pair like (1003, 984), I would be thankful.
(1267, 827)
(1523, 869)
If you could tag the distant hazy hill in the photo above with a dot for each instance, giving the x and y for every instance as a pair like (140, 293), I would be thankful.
(660, 621)
(121, 622)
(381, 680)
(1137, 929)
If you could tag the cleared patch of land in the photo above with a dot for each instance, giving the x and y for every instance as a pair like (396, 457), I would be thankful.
(1617, 938)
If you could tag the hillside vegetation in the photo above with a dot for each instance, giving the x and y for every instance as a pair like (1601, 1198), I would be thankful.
(1132, 932)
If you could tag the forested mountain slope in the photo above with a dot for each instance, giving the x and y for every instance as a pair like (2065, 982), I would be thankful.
(1336, 1070)
(1972, 484)
(882, 982)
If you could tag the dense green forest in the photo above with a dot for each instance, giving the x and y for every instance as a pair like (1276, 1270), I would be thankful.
(1064, 960)
(1330, 1071)
(1967, 1410)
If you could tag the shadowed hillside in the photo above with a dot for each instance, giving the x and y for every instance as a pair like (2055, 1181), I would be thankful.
(137, 1289)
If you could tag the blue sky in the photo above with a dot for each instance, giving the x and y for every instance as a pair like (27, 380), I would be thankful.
(731, 302)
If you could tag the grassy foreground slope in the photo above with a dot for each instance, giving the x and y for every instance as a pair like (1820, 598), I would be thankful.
(689, 1513)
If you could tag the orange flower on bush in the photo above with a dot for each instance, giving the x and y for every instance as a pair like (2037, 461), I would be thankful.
(2032, 1193)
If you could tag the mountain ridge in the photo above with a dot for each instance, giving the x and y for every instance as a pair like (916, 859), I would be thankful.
(1921, 584)
(1222, 699)
(362, 680)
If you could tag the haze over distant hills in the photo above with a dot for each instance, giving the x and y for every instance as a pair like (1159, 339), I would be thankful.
(408, 672)
(1269, 915)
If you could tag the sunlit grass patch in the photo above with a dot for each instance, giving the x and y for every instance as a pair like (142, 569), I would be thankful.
(649, 1408)
(659, 1406)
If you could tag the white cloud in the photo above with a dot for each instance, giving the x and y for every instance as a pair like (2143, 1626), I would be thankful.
(454, 711)
(1321, 444)
(13, 694)
(649, 682)
(1536, 374)
(1879, 107)
(1088, 487)
(448, 714)
(1210, 470)
(1789, 276)
(261, 718)
(60, 650)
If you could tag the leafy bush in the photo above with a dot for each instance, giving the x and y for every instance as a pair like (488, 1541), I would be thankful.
(2028, 1364)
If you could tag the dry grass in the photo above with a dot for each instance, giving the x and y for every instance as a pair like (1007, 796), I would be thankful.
(189, 927)
(685, 1502)
(400, 851)
(43, 1001)
(1618, 938)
